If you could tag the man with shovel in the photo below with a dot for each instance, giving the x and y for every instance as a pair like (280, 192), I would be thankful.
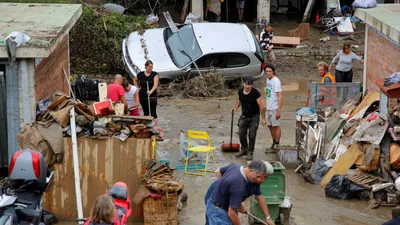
(234, 185)
(251, 103)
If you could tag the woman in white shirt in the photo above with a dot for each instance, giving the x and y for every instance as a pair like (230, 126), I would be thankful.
(132, 98)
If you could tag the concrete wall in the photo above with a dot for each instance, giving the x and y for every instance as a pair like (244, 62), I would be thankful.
(263, 10)
(49, 75)
(383, 56)
(197, 8)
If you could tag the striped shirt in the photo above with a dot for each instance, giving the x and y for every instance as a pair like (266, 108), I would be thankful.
(266, 39)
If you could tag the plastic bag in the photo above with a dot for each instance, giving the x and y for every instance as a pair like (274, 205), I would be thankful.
(364, 4)
(151, 19)
(341, 188)
(192, 18)
(183, 146)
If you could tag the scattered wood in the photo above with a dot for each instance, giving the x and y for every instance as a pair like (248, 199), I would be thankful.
(102, 91)
(303, 32)
(343, 164)
(364, 179)
(285, 42)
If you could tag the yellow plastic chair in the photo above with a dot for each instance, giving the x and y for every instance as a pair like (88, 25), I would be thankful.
(207, 149)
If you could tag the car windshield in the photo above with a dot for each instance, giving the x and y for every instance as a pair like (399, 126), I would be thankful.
(177, 50)
(259, 51)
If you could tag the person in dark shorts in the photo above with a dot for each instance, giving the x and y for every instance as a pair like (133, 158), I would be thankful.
(234, 185)
(147, 81)
(251, 103)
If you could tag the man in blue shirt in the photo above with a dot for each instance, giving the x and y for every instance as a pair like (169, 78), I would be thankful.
(395, 218)
(236, 183)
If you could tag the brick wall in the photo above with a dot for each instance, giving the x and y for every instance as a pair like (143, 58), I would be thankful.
(49, 75)
(382, 58)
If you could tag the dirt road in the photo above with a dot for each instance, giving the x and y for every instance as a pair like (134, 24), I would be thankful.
(310, 206)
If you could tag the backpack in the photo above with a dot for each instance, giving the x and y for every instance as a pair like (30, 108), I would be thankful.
(86, 89)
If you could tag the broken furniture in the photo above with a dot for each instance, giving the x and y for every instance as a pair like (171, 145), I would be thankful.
(206, 149)
(285, 42)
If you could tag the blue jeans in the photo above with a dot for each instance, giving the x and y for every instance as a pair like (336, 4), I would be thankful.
(217, 216)
(208, 195)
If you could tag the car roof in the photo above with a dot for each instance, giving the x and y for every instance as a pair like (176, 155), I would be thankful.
(224, 37)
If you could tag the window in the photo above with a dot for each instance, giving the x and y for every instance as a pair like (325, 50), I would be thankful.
(211, 60)
(180, 52)
(236, 60)
(259, 52)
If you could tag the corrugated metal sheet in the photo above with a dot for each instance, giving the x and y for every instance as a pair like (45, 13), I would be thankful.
(102, 163)
(13, 109)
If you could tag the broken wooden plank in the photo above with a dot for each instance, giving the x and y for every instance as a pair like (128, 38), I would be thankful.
(281, 40)
(343, 164)
(102, 91)
(133, 117)
(303, 32)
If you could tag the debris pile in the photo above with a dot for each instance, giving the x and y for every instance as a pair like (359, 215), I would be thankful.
(100, 120)
(353, 152)
(161, 193)
(209, 85)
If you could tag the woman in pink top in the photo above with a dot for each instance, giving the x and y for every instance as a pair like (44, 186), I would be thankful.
(132, 98)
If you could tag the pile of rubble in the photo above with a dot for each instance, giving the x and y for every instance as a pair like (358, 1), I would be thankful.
(100, 120)
(354, 152)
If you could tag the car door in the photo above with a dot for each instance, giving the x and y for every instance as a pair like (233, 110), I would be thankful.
(209, 62)
(235, 64)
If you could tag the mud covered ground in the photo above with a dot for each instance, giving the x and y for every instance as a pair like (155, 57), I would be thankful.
(310, 206)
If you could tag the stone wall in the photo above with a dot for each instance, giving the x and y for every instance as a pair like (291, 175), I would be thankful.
(310, 54)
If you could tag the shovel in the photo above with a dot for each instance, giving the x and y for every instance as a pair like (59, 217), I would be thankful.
(256, 218)
(230, 147)
(148, 98)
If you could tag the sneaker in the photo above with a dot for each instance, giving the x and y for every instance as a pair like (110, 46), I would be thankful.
(240, 154)
(249, 157)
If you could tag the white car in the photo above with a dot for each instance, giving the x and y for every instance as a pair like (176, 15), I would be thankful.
(229, 48)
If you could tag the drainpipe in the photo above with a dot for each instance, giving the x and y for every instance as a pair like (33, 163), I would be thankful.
(365, 60)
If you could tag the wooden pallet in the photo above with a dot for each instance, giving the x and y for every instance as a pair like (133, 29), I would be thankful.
(285, 42)
(364, 179)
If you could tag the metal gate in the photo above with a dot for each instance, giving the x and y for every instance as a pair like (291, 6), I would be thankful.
(322, 95)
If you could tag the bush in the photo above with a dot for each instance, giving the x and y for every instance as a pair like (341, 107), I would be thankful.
(96, 40)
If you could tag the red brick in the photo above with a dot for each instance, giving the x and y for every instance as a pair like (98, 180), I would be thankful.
(382, 59)
(49, 75)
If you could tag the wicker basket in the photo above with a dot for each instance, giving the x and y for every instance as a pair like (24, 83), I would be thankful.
(161, 211)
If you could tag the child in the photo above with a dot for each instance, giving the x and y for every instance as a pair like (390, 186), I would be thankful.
(103, 212)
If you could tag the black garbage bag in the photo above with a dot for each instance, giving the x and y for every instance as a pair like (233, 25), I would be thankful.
(341, 188)
(48, 218)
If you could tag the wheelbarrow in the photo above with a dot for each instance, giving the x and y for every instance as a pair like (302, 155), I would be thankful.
(273, 190)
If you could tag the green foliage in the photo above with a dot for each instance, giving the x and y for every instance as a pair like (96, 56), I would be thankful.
(96, 40)
(37, 1)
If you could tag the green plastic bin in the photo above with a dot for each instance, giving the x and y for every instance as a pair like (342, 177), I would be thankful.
(273, 190)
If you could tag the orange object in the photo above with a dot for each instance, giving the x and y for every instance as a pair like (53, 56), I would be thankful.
(329, 93)
(103, 108)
